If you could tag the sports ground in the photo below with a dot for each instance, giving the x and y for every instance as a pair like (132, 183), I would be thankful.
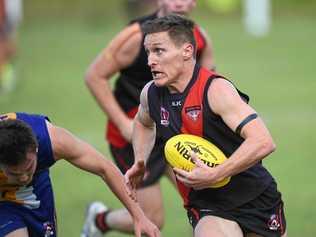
(276, 71)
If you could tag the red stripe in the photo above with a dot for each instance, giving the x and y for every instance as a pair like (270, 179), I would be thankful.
(195, 213)
(189, 125)
(113, 134)
(200, 41)
(281, 220)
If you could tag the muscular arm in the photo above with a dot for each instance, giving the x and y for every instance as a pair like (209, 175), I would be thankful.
(144, 130)
(84, 156)
(226, 102)
(120, 53)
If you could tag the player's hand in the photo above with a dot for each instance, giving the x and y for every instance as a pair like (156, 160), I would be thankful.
(133, 178)
(200, 177)
(126, 130)
(145, 226)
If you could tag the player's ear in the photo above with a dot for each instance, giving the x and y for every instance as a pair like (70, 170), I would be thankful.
(188, 51)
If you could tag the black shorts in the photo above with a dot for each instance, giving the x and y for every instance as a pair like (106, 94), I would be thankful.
(155, 167)
(264, 215)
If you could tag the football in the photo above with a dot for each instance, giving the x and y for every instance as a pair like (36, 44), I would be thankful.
(178, 148)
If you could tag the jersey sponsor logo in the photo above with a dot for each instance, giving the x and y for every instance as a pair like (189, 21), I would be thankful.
(193, 112)
(164, 117)
(274, 222)
(177, 103)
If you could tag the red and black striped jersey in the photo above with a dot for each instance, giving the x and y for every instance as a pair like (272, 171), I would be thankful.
(189, 112)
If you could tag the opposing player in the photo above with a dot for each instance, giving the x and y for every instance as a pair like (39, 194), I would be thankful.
(29, 146)
(126, 55)
(209, 106)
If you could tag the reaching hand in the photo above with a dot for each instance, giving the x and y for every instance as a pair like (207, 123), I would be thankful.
(133, 177)
(200, 177)
(145, 226)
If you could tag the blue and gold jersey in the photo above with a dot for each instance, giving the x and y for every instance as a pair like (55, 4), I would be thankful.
(31, 195)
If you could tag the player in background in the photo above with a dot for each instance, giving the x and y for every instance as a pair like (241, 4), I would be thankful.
(211, 107)
(126, 55)
(10, 17)
(29, 146)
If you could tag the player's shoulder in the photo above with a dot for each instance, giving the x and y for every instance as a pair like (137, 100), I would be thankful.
(146, 88)
(220, 84)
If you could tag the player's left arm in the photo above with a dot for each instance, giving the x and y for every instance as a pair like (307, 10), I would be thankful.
(207, 57)
(238, 115)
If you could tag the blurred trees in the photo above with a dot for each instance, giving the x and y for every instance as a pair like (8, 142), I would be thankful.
(107, 8)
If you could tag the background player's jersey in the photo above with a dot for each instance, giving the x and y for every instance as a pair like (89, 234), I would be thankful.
(189, 112)
(40, 188)
(133, 78)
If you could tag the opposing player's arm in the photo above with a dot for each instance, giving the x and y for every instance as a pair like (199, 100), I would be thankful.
(224, 100)
(82, 155)
(144, 130)
(119, 54)
(207, 57)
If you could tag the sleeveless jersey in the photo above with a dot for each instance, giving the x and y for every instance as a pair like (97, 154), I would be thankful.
(190, 113)
(40, 189)
(133, 78)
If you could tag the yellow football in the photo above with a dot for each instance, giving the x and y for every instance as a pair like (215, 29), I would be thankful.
(178, 148)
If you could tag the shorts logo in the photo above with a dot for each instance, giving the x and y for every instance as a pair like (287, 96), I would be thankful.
(164, 117)
(274, 222)
(176, 103)
(48, 229)
(193, 112)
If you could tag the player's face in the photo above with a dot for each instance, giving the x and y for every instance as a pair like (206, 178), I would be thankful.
(182, 7)
(165, 59)
(21, 174)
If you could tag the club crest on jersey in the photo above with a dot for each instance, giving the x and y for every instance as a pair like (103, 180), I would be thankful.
(193, 112)
(274, 223)
(164, 117)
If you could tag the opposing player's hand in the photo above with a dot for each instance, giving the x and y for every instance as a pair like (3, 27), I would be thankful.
(133, 177)
(127, 129)
(145, 226)
(200, 177)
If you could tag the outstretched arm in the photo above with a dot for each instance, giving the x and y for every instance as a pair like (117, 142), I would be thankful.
(84, 156)
(144, 135)
(120, 53)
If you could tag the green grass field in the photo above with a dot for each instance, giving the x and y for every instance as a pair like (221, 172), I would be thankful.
(276, 71)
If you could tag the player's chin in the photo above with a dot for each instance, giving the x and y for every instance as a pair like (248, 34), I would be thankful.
(160, 82)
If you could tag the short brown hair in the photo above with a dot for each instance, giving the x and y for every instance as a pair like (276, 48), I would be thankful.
(179, 28)
(16, 139)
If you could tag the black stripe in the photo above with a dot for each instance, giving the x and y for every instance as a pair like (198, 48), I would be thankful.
(245, 121)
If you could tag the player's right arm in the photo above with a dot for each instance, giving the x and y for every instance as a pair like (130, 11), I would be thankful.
(207, 56)
(68, 147)
(143, 140)
(120, 53)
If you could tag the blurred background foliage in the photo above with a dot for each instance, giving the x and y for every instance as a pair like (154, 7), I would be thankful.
(98, 9)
